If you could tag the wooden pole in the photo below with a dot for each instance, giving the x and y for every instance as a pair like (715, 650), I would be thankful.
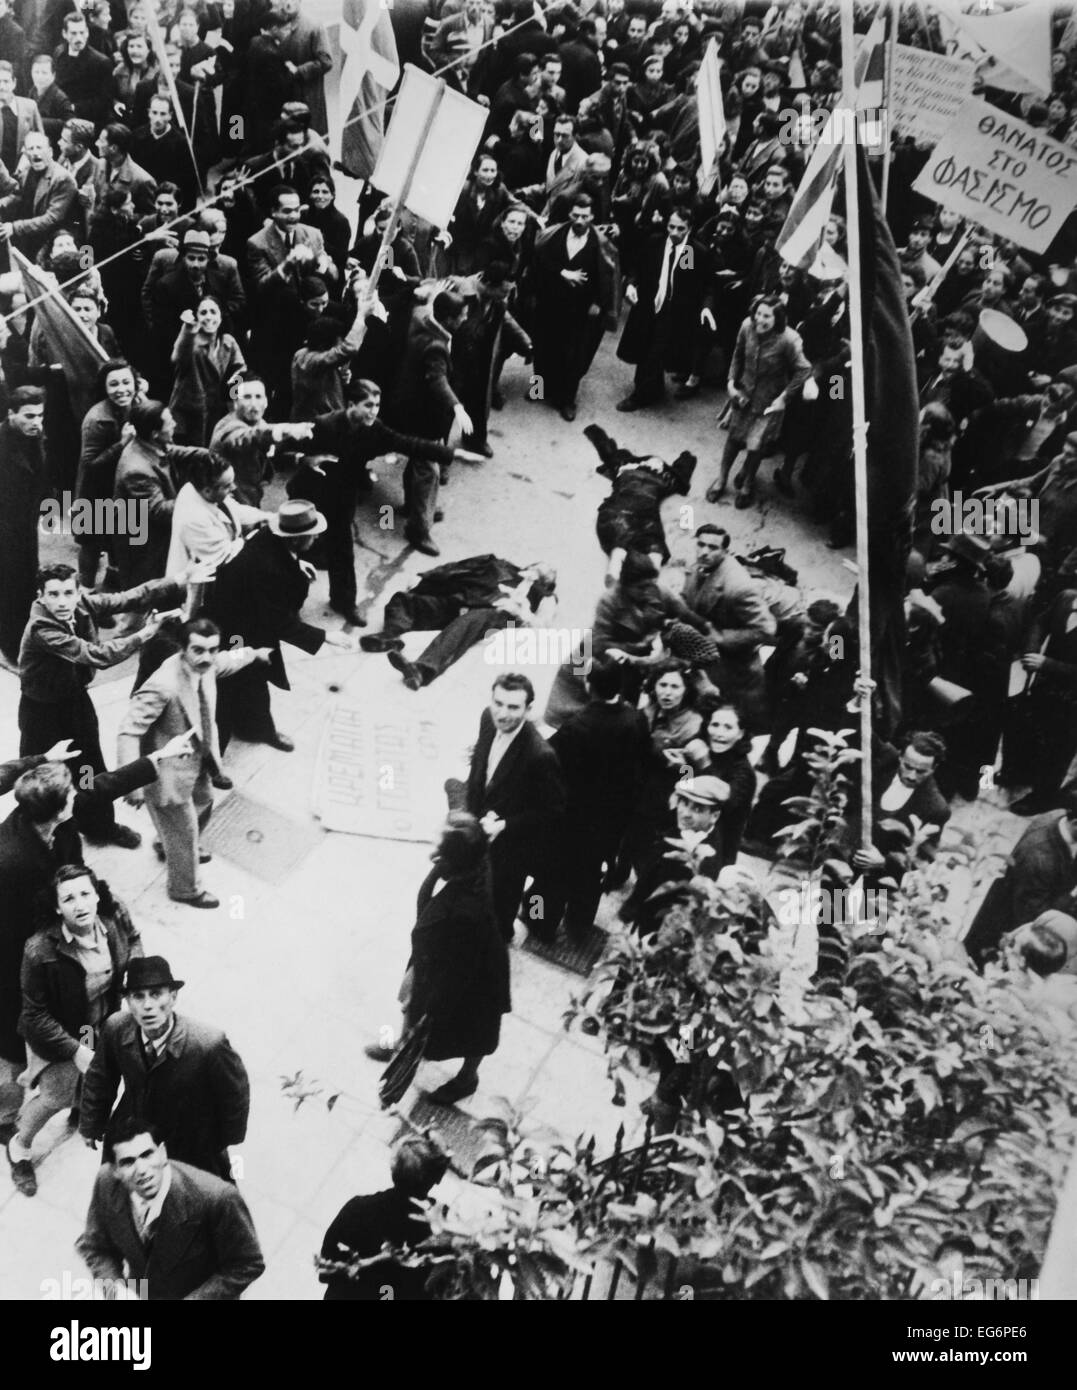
(929, 291)
(888, 87)
(860, 424)
(405, 188)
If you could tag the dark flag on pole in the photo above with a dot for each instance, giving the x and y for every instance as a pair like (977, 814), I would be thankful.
(892, 445)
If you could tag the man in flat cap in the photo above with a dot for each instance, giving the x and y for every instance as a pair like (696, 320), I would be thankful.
(697, 803)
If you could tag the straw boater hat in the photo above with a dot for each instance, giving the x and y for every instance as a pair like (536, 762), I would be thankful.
(297, 518)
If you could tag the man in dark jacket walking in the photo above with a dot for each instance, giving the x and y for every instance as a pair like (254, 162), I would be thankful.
(180, 1075)
(353, 437)
(61, 649)
(516, 790)
(603, 752)
(257, 597)
(424, 403)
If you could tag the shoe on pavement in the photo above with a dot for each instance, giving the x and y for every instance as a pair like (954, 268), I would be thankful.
(689, 389)
(378, 642)
(497, 400)
(744, 499)
(715, 491)
(424, 545)
(453, 1091)
(125, 837)
(628, 404)
(568, 412)
(23, 1176)
(377, 1053)
(222, 782)
(281, 742)
(204, 899)
(413, 677)
(783, 483)
(351, 616)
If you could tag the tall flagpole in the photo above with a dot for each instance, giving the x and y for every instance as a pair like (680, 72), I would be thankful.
(888, 87)
(860, 423)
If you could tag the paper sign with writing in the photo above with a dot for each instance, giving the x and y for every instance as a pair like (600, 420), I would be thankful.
(926, 93)
(380, 776)
(998, 171)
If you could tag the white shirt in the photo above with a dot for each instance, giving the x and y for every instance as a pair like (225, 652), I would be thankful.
(158, 1044)
(144, 1212)
(574, 244)
(895, 796)
(498, 749)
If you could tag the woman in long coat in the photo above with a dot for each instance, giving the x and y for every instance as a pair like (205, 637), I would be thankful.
(458, 977)
(478, 211)
(768, 368)
(205, 360)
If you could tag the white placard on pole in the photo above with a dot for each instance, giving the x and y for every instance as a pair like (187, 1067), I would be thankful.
(927, 91)
(1000, 172)
(445, 159)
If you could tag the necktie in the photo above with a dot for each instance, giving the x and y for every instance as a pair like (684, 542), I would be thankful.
(146, 1227)
(558, 163)
(664, 279)
(207, 723)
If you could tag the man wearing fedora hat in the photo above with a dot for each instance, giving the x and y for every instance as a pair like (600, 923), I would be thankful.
(182, 1076)
(182, 694)
(257, 598)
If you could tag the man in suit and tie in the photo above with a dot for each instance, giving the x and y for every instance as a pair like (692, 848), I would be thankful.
(183, 1076)
(76, 145)
(567, 159)
(83, 73)
(669, 295)
(181, 694)
(145, 480)
(18, 117)
(515, 788)
(278, 258)
(38, 201)
(119, 170)
(187, 1234)
(575, 284)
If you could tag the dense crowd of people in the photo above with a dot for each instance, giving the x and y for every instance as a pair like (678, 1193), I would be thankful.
(229, 321)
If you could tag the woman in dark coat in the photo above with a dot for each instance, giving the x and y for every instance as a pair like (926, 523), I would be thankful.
(102, 444)
(72, 972)
(458, 976)
(327, 218)
(723, 753)
(478, 209)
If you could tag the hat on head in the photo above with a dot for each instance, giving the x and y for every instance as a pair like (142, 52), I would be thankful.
(964, 546)
(297, 518)
(199, 240)
(149, 972)
(637, 567)
(1070, 300)
(295, 111)
(701, 791)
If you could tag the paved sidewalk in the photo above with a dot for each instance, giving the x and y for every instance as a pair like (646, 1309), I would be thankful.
(302, 973)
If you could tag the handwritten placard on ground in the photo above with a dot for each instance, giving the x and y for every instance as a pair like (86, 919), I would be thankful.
(380, 776)
(926, 92)
(998, 171)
